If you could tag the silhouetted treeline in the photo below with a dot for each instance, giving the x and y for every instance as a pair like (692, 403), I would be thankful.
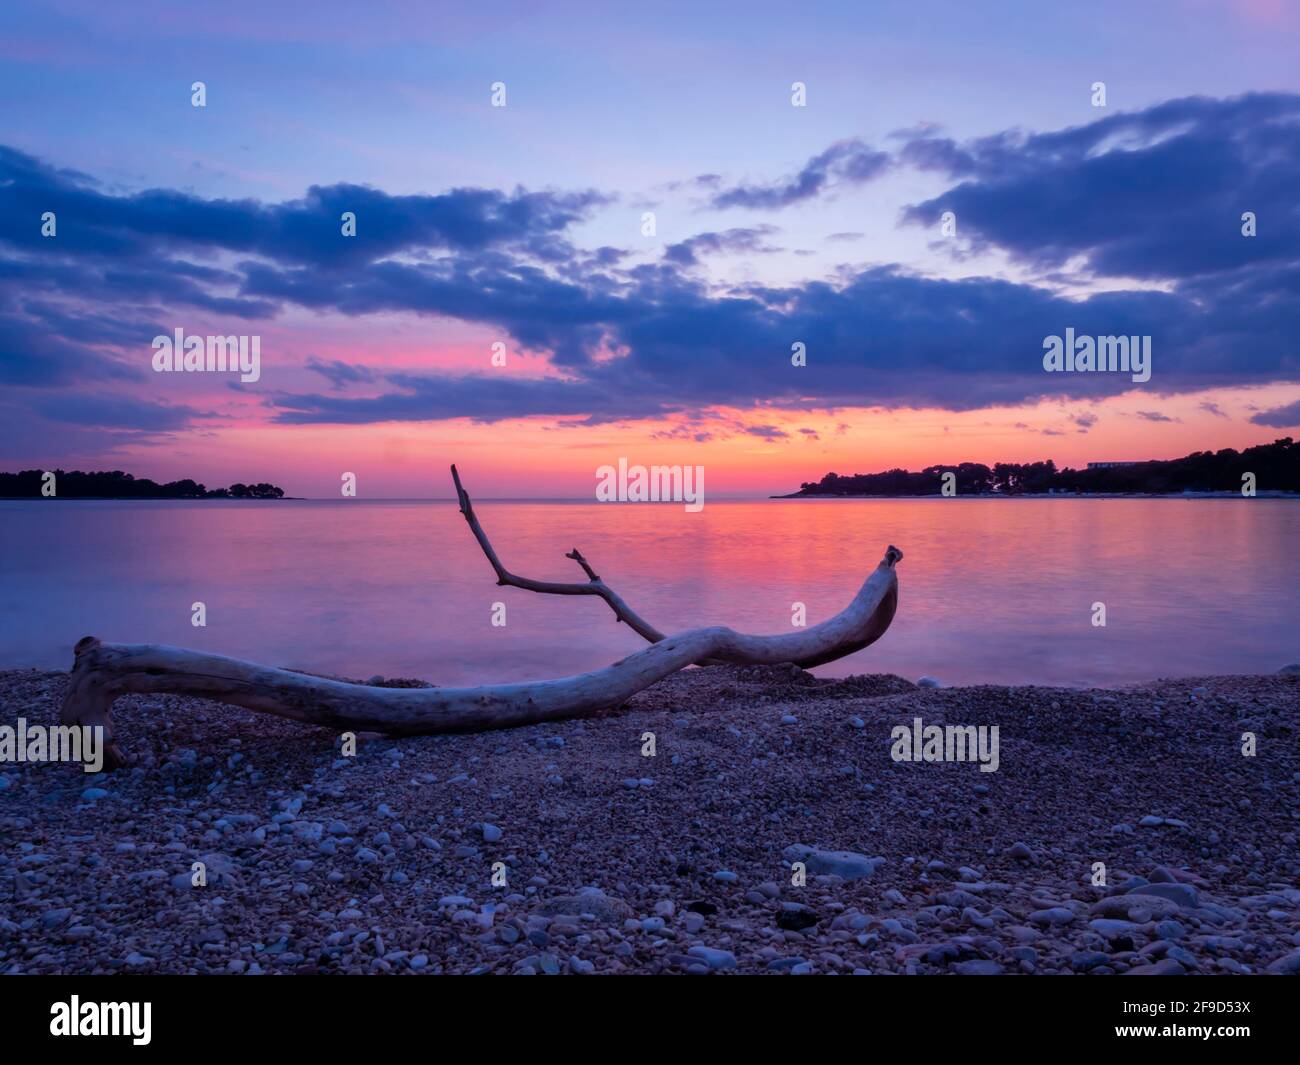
(1276, 468)
(73, 484)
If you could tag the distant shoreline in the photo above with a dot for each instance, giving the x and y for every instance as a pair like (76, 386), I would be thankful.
(155, 499)
(1053, 495)
(116, 484)
(1275, 465)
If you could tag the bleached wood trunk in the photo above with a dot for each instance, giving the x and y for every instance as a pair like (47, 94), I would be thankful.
(103, 671)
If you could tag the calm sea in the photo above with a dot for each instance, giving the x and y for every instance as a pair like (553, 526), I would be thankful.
(997, 591)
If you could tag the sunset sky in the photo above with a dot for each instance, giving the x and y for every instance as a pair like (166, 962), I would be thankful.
(523, 224)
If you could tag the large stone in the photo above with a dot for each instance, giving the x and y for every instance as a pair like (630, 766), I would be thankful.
(1111, 927)
(1139, 908)
(1165, 967)
(589, 900)
(1182, 894)
(977, 967)
(844, 864)
(713, 958)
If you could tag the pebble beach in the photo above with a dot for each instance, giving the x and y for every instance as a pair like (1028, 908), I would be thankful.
(769, 832)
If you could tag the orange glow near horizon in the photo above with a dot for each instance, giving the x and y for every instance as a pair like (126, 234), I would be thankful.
(544, 458)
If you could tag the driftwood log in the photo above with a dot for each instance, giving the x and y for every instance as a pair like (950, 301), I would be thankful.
(103, 671)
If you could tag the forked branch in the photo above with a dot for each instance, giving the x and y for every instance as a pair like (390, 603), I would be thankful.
(594, 586)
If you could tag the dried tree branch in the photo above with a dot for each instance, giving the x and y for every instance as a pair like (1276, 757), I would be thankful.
(102, 671)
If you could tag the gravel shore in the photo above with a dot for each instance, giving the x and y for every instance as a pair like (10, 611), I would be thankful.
(618, 862)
